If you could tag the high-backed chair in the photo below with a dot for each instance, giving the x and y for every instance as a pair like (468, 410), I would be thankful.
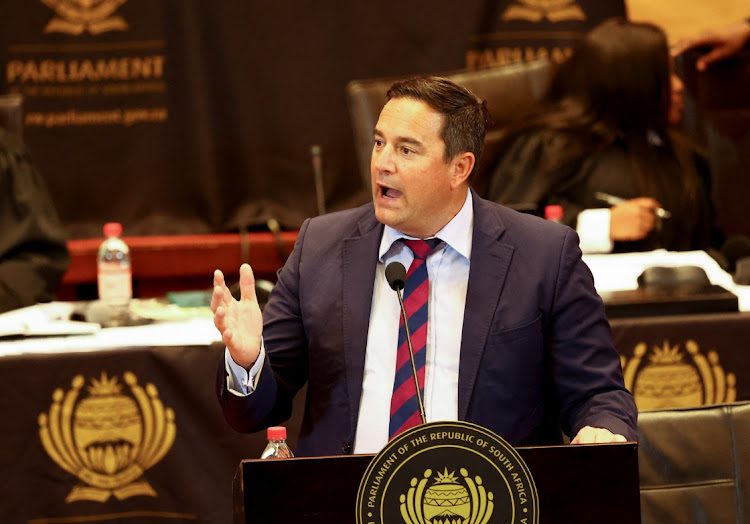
(509, 91)
(694, 464)
(11, 113)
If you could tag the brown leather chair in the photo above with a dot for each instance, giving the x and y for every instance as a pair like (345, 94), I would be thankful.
(694, 464)
(509, 91)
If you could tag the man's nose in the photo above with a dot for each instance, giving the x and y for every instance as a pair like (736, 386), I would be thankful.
(383, 159)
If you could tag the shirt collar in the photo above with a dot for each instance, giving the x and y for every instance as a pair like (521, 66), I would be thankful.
(456, 233)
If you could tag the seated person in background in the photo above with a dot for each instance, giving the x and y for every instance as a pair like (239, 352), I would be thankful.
(602, 128)
(723, 42)
(33, 253)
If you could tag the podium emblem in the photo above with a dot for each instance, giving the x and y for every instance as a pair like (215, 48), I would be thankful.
(107, 439)
(447, 473)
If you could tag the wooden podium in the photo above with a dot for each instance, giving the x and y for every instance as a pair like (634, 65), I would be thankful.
(576, 484)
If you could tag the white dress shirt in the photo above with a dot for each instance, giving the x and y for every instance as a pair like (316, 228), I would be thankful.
(593, 230)
(448, 271)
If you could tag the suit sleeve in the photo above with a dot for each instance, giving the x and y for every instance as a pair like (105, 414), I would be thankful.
(585, 365)
(285, 368)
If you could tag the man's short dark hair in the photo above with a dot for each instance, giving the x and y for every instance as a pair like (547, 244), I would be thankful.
(466, 115)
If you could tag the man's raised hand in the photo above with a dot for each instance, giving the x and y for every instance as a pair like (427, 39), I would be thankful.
(239, 321)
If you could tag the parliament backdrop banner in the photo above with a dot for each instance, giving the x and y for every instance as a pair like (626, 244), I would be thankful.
(182, 116)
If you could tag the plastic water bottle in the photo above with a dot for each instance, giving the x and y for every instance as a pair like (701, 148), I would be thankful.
(553, 213)
(114, 276)
(277, 447)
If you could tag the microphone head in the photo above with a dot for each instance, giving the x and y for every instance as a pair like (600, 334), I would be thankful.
(395, 274)
(734, 249)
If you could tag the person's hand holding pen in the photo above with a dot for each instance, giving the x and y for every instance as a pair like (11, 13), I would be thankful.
(632, 219)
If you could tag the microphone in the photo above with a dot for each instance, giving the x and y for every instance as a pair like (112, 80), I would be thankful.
(275, 228)
(317, 163)
(395, 274)
(737, 252)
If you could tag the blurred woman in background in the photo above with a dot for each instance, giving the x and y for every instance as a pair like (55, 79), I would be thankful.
(600, 145)
(33, 249)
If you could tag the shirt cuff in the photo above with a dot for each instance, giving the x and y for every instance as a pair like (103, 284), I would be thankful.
(240, 381)
(593, 229)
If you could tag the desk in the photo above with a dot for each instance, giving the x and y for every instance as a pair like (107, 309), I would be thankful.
(191, 482)
(178, 262)
(685, 360)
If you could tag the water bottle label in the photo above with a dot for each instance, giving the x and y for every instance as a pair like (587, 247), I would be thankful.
(115, 282)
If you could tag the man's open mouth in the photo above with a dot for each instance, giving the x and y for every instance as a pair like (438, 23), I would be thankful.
(389, 192)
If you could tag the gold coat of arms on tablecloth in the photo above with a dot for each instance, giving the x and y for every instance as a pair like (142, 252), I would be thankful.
(669, 380)
(107, 439)
(76, 16)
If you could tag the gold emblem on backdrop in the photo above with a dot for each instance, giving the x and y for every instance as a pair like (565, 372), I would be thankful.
(76, 16)
(537, 10)
(672, 378)
(108, 438)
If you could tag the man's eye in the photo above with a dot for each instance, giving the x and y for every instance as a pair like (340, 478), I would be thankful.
(406, 151)
(378, 142)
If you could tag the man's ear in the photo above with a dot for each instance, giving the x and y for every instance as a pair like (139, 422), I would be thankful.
(462, 164)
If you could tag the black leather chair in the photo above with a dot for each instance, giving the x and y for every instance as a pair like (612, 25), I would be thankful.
(694, 464)
(509, 90)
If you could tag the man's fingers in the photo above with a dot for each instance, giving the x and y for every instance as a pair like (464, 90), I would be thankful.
(217, 298)
(591, 435)
(247, 283)
(218, 278)
(226, 337)
(220, 318)
(221, 294)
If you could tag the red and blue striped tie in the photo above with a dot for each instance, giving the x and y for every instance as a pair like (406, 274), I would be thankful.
(404, 404)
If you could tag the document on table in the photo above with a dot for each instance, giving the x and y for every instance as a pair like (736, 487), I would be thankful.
(44, 320)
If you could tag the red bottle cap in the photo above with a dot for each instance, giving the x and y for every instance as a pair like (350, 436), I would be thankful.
(112, 229)
(276, 433)
(553, 212)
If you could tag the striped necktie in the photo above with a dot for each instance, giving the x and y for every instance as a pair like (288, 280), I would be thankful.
(404, 403)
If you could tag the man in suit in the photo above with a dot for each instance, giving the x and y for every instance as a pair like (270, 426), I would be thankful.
(515, 340)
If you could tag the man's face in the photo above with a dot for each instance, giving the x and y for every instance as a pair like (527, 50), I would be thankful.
(413, 188)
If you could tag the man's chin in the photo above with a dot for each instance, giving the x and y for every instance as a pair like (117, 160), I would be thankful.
(386, 216)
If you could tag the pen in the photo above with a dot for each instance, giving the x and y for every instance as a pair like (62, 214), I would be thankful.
(613, 201)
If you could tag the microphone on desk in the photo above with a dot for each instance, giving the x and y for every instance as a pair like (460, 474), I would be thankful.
(275, 228)
(736, 250)
(395, 274)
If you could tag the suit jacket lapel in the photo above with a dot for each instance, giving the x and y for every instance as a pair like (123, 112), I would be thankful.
(490, 260)
(360, 259)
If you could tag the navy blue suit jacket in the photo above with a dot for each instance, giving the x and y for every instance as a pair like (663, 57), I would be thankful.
(536, 350)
